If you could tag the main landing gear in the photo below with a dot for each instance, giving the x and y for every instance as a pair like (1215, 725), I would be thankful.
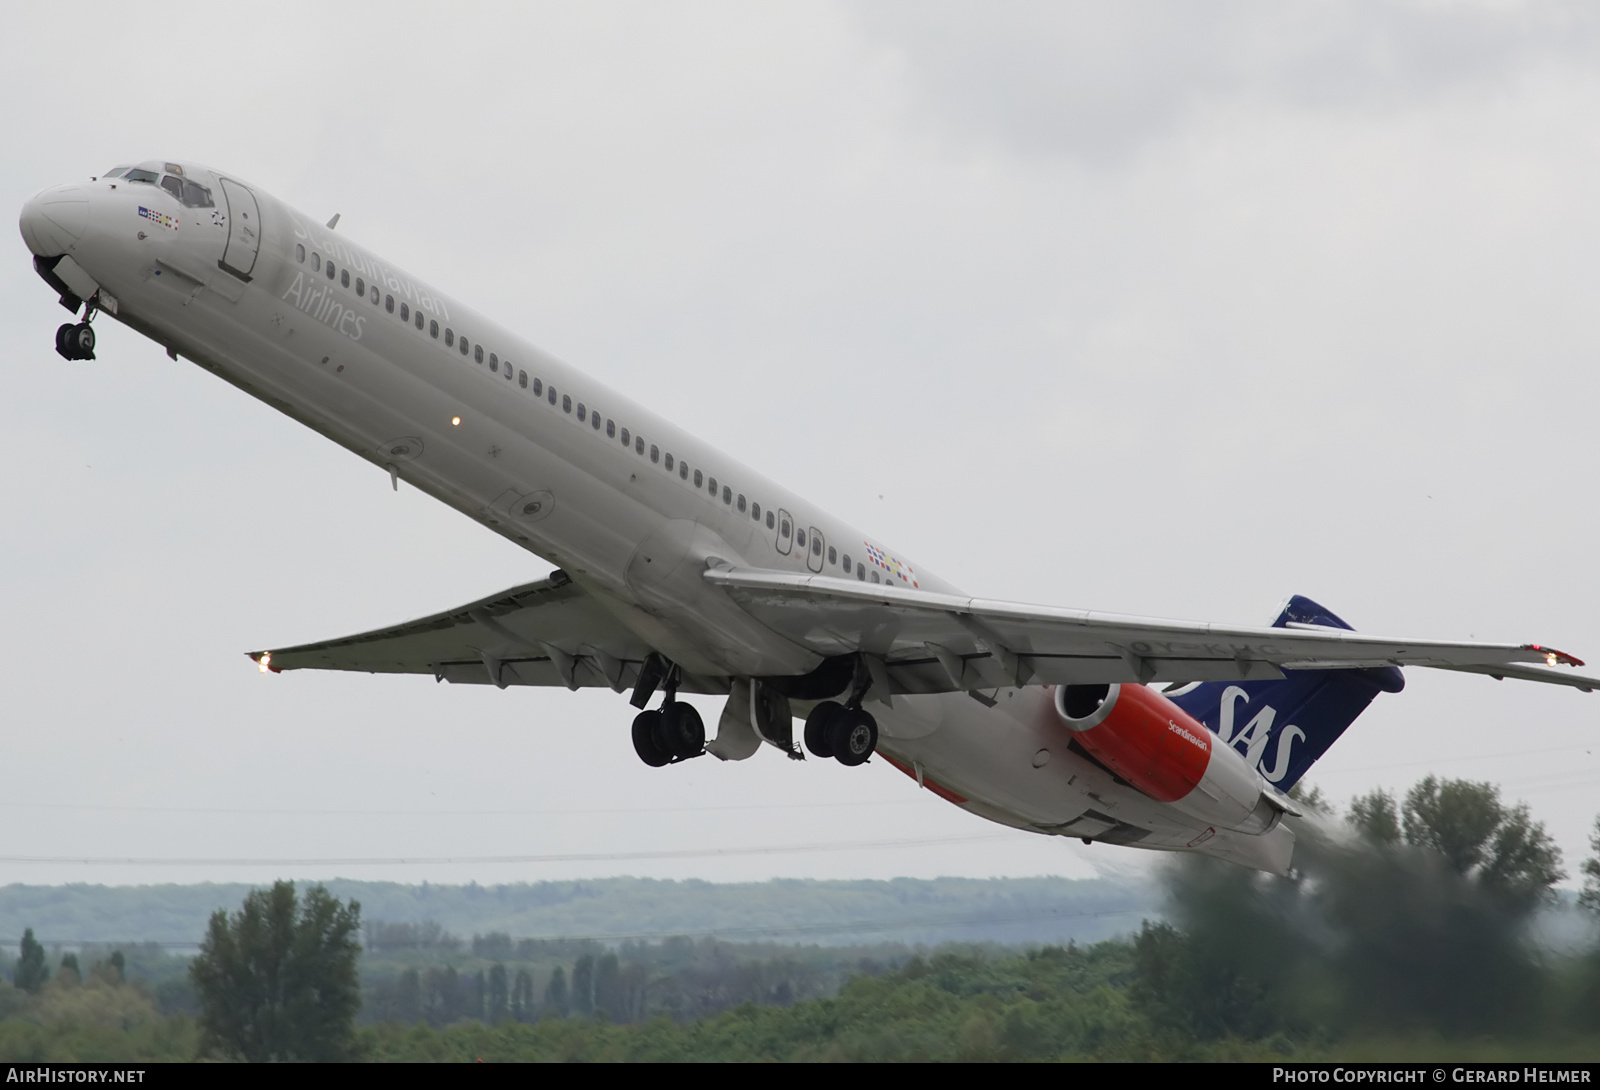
(75, 341)
(842, 731)
(675, 732)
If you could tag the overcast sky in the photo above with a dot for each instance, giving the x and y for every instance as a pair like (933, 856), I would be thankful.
(1172, 309)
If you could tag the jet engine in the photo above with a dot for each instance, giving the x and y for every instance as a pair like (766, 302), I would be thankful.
(1150, 742)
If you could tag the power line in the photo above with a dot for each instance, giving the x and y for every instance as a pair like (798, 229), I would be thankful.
(308, 812)
(574, 857)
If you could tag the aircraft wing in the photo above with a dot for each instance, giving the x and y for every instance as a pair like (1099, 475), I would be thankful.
(929, 642)
(552, 632)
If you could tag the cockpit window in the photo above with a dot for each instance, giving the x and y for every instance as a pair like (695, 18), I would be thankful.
(196, 195)
(189, 194)
(114, 172)
(149, 177)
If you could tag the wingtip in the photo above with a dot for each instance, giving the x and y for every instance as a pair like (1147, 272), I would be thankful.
(1552, 656)
(263, 659)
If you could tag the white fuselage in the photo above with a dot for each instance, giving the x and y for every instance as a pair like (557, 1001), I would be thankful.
(534, 449)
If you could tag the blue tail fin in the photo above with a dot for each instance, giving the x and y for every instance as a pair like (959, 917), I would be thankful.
(1282, 727)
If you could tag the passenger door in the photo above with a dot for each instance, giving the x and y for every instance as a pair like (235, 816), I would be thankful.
(244, 230)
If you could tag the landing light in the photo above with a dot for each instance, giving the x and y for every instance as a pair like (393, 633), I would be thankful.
(265, 661)
(455, 421)
(1551, 658)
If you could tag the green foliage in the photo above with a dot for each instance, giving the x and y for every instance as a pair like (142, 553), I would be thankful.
(1589, 897)
(1502, 847)
(277, 979)
(31, 972)
(1376, 817)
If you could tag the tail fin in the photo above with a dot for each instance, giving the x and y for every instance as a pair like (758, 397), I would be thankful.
(1282, 727)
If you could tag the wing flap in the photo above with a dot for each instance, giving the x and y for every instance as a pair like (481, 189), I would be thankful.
(552, 632)
(999, 642)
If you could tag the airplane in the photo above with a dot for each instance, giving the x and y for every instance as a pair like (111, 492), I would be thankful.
(680, 570)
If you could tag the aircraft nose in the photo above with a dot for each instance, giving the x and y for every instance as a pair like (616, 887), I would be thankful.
(53, 221)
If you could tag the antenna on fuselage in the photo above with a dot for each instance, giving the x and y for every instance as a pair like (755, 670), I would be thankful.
(334, 222)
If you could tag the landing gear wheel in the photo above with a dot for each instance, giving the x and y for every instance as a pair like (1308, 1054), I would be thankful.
(646, 725)
(75, 342)
(822, 717)
(83, 340)
(681, 734)
(853, 736)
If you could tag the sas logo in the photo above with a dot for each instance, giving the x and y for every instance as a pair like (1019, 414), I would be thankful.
(160, 219)
(1253, 737)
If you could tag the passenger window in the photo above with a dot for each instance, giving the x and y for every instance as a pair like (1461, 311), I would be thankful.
(755, 511)
(874, 577)
(331, 270)
(611, 429)
(594, 421)
(624, 436)
(463, 346)
(510, 369)
(769, 520)
(300, 253)
(668, 463)
(522, 379)
(727, 495)
(566, 403)
(711, 486)
(344, 279)
(861, 572)
(494, 362)
(655, 453)
(816, 546)
(537, 384)
(419, 323)
(405, 313)
(449, 336)
(683, 471)
(847, 563)
(582, 413)
(740, 504)
(433, 328)
(800, 538)
(173, 185)
(388, 303)
(638, 445)
(699, 478)
(374, 295)
(316, 261)
(833, 555)
(361, 286)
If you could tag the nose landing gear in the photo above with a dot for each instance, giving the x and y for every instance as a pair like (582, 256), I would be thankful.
(75, 342)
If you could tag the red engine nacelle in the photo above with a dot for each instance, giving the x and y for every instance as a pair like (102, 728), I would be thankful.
(1160, 749)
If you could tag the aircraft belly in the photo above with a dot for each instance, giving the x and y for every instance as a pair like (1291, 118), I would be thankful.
(1008, 764)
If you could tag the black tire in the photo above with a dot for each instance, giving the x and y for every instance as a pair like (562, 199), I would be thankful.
(64, 341)
(645, 727)
(817, 727)
(83, 340)
(854, 737)
(682, 731)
